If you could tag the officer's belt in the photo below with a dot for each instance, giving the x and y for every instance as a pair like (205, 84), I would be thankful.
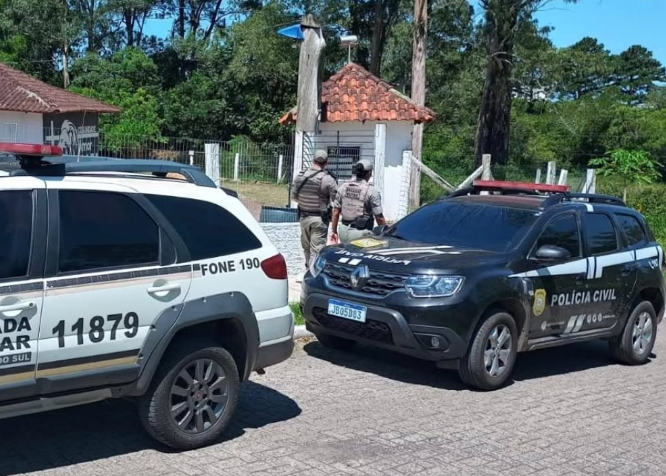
(305, 213)
(352, 224)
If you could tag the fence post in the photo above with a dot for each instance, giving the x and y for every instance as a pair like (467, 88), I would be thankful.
(538, 176)
(564, 174)
(191, 157)
(550, 174)
(236, 166)
(590, 182)
(280, 164)
(212, 164)
(486, 174)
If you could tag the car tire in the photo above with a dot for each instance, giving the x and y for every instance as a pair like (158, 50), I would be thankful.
(635, 344)
(198, 380)
(335, 342)
(491, 357)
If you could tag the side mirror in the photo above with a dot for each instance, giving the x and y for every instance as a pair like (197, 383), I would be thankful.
(379, 230)
(551, 252)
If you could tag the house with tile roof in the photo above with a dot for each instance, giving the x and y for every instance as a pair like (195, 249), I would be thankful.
(363, 116)
(36, 112)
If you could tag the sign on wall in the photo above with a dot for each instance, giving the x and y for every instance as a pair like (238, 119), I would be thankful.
(77, 133)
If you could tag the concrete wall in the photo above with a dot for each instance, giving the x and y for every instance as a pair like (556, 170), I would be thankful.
(398, 139)
(21, 127)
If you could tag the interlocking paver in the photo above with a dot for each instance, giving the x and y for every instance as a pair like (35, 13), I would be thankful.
(570, 411)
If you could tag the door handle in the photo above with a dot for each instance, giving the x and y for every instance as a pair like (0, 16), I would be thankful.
(580, 279)
(16, 308)
(164, 289)
(628, 269)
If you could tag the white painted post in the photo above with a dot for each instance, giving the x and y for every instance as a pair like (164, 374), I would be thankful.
(191, 157)
(590, 182)
(380, 157)
(403, 207)
(538, 176)
(298, 155)
(564, 174)
(212, 155)
(280, 163)
(236, 166)
(485, 163)
(551, 172)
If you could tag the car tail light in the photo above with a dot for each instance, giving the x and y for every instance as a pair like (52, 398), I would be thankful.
(275, 267)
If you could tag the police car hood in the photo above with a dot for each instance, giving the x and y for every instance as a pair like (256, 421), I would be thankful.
(400, 256)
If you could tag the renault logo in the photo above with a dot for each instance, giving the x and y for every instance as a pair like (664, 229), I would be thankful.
(359, 276)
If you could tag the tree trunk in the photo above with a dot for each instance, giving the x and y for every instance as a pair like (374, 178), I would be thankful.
(129, 24)
(494, 123)
(181, 19)
(91, 27)
(418, 92)
(377, 39)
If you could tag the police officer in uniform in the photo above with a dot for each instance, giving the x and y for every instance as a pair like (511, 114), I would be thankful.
(356, 206)
(314, 189)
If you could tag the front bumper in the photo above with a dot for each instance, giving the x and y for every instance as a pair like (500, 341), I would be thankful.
(385, 328)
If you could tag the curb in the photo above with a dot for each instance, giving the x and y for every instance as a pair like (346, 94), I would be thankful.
(300, 332)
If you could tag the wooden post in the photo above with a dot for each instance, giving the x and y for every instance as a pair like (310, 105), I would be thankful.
(564, 174)
(486, 174)
(538, 176)
(236, 166)
(280, 163)
(550, 174)
(310, 69)
(590, 182)
(191, 157)
(470, 180)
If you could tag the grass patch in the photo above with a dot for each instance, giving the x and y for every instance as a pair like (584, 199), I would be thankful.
(298, 314)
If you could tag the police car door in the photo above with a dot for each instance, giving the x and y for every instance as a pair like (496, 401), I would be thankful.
(22, 246)
(109, 275)
(558, 285)
(612, 272)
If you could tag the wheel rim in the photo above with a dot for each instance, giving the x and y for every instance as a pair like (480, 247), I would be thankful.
(199, 396)
(642, 333)
(498, 351)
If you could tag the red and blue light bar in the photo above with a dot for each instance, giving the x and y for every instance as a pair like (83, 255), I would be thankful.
(537, 187)
(30, 150)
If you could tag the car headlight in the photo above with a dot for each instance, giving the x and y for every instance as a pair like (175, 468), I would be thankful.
(317, 266)
(434, 286)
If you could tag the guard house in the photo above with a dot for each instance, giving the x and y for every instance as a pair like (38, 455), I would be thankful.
(363, 116)
(35, 112)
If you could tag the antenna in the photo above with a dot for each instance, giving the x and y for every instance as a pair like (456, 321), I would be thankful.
(349, 41)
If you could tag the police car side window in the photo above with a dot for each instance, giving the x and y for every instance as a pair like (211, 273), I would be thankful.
(632, 229)
(104, 230)
(563, 232)
(600, 233)
(207, 229)
(15, 233)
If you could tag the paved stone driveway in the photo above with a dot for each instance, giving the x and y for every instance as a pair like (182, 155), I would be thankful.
(570, 411)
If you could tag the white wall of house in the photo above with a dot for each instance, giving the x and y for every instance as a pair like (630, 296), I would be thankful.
(21, 127)
(398, 139)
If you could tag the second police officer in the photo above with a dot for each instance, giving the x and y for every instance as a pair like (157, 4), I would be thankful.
(357, 205)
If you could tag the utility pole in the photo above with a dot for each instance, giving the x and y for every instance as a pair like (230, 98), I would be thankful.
(310, 71)
(418, 93)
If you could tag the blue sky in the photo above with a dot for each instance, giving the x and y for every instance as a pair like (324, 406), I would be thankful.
(618, 24)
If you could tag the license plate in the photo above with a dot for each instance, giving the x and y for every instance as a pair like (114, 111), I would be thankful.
(347, 310)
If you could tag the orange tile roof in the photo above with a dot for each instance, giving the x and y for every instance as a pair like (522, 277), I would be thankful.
(23, 93)
(355, 94)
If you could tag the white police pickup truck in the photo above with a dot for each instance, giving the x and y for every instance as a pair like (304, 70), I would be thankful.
(117, 280)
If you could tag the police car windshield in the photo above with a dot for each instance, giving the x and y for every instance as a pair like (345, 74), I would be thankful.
(467, 225)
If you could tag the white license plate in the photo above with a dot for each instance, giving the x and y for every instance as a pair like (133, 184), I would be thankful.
(347, 310)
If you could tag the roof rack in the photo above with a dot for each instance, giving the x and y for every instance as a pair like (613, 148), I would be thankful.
(582, 197)
(47, 160)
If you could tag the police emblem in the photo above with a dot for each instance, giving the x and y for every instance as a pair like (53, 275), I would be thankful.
(539, 302)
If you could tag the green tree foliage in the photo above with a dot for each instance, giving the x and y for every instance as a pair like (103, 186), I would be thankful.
(630, 166)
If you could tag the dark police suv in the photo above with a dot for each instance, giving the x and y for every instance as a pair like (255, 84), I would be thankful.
(473, 279)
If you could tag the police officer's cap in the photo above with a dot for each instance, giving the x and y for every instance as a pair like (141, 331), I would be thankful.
(364, 165)
(321, 156)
